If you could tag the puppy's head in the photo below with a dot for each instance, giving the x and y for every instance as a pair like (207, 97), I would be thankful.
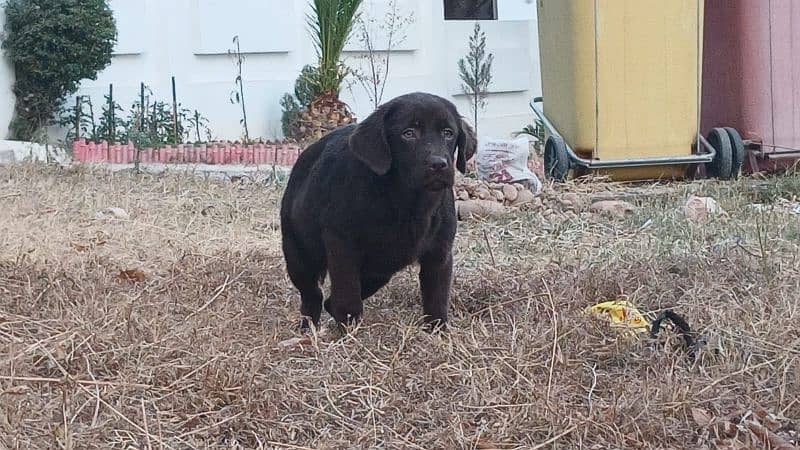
(419, 136)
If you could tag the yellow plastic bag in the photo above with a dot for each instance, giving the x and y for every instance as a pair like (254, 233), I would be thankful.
(622, 314)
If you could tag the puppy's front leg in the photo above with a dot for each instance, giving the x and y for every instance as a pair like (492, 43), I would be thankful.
(435, 280)
(344, 269)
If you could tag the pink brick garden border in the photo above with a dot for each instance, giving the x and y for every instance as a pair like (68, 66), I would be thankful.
(219, 153)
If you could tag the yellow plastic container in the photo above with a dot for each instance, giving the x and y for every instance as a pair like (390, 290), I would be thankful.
(621, 78)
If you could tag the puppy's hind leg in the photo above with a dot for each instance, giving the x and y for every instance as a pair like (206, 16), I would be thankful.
(310, 301)
(344, 304)
(305, 276)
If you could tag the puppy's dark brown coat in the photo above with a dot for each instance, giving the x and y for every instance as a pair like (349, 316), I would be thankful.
(367, 200)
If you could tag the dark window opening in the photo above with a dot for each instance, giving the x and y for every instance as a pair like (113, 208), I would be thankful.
(470, 9)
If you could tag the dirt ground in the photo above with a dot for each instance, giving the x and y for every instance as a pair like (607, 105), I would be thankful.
(175, 327)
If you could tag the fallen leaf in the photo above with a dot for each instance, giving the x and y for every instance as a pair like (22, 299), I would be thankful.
(770, 439)
(294, 342)
(728, 444)
(702, 417)
(484, 445)
(80, 247)
(94, 242)
(132, 275)
(768, 419)
(16, 390)
(112, 213)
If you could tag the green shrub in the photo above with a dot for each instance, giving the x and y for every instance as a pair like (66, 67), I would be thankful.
(291, 109)
(53, 45)
(307, 87)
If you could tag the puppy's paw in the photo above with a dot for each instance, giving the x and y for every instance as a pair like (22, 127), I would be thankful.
(347, 314)
(435, 326)
(306, 324)
(348, 323)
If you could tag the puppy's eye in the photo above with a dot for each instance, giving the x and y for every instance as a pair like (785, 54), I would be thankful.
(448, 133)
(409, 133)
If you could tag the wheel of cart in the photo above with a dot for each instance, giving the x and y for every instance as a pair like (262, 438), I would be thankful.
(729, 153)
(737, 146)
(622, 94)
(556, 159)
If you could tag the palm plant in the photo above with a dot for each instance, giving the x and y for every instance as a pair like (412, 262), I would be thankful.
(537, 132)
(330, 24)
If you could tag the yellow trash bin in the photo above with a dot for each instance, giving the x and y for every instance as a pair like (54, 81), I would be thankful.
(621, 87)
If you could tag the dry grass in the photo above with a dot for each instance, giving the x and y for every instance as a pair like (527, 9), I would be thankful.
(185, 353)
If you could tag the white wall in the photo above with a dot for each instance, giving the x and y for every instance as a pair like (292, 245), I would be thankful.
(6, 82)
(189, 39)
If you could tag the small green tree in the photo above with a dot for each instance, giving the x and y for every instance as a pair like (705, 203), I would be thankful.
(53, 45)
(237, 96)
(373, 79)
(476, 72)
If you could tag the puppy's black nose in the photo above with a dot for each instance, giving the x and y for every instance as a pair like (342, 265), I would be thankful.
(437, 163)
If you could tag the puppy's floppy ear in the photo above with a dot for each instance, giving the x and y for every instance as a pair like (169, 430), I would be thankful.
(467, 144)
(368, 142)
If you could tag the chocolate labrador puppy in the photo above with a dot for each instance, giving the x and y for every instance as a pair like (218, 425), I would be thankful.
(367, 200)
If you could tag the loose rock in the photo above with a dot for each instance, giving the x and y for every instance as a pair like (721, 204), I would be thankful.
(617, 209)
(524, 198)
(112, 213)
(700, 209)
(471, 209)
(510, 193)
(571, 200)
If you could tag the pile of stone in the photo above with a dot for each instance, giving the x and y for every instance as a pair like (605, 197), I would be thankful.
(480, 199)
(515, 194)
(476, 198)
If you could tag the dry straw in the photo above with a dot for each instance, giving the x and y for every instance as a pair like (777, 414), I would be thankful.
(189, 355)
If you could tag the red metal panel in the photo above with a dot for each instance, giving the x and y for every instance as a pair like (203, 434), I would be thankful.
(751, 70)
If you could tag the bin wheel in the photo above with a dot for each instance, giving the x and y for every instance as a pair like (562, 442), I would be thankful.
(737, 145)
(720, 167)
(556, 159)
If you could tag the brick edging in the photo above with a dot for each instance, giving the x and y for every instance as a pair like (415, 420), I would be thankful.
(217, 153)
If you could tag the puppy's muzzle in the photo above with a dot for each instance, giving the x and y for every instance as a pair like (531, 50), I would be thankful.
(440, 173)
(438, 164)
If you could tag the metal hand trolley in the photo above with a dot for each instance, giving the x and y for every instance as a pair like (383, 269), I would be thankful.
(622, 84)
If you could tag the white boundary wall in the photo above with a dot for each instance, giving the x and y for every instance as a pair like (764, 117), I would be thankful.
(189, 39)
